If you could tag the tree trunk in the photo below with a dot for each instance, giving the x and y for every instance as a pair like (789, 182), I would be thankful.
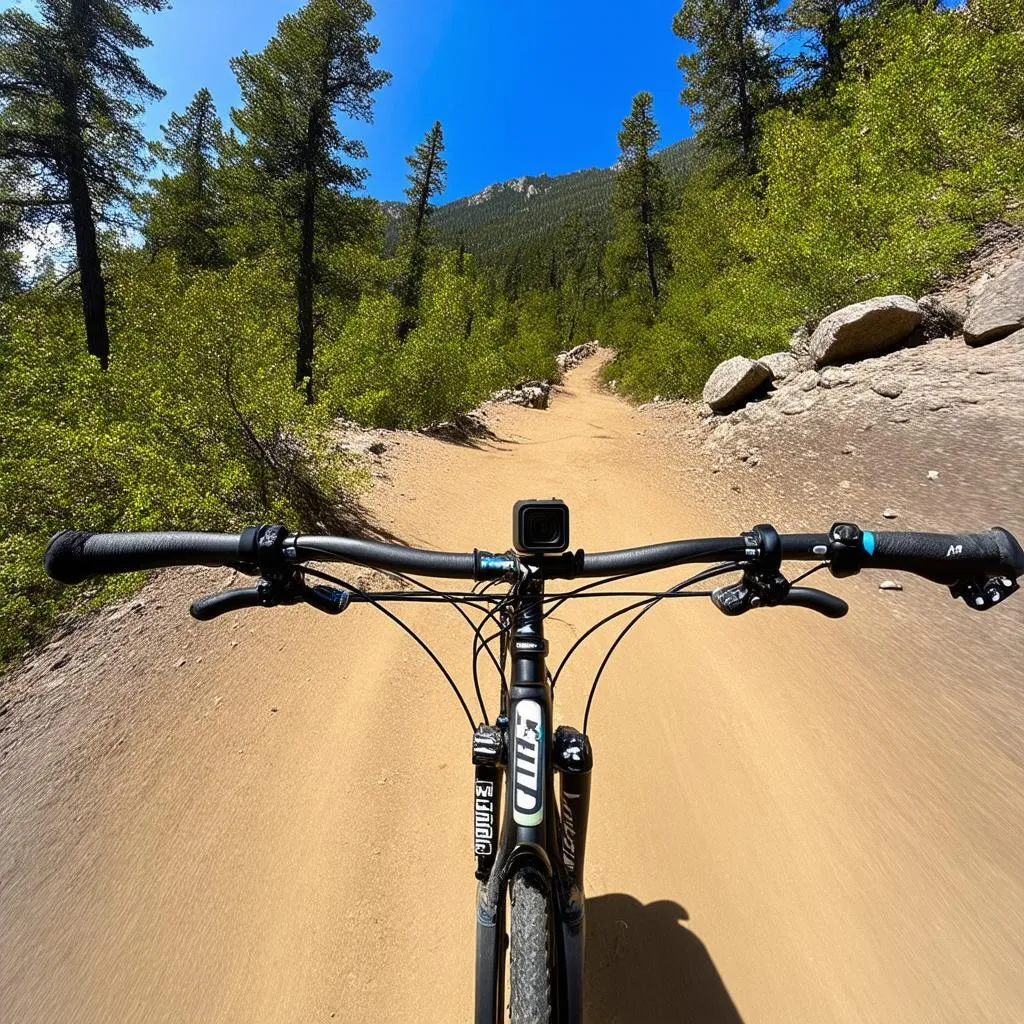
(90, 269)
(743, 96)
(304, 288)
(645, 217)
(423, 200)
(833, 39)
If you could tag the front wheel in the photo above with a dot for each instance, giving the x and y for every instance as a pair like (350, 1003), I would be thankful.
(529, 959)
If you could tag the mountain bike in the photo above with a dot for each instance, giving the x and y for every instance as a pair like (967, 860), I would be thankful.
(529, 841)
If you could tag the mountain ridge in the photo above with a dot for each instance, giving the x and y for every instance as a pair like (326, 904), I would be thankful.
(523, 211)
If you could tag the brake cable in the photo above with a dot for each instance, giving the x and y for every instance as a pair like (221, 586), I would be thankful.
(677, 590)
(369, 599)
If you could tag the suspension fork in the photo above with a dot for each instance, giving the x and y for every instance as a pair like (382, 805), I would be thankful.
(528, 828)
(534, 827)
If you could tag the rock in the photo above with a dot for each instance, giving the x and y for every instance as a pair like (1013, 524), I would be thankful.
(808, 380)
(733, 382)
(833, 377)
(377, 448)
(933, 474)
(864, 329)
(780, 365)
(844, 484)
(999, 310)
(575, 356)
(890, 513)
(798, 343)
(797, 405)
(902, 418)
(890, 585)
(941, 318)
(531, 394)
(180, 663)
(848, 449)
(889, 388)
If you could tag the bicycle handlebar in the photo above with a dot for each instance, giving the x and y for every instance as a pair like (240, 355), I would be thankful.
(952, 559)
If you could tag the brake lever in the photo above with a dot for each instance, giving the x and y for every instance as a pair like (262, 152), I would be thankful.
(209, 607)
(269, 594)
(740, 597)
(817, 600)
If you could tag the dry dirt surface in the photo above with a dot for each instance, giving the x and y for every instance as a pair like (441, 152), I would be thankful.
(269, 817)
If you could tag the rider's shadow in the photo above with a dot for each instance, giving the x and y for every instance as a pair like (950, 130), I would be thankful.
(644, 966)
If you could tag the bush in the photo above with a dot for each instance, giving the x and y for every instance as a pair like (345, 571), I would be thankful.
(195, 426)
(871, 192)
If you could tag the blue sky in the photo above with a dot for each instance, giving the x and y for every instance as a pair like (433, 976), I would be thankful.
(523, 88)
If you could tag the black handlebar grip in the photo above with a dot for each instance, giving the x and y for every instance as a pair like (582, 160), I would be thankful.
(946, 558)
(73, 556)
(817, 600)
(206, 608)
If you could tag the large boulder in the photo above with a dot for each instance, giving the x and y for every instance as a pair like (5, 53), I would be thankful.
(999, 310)
(780, 364)
(864, 329)
(734, 381)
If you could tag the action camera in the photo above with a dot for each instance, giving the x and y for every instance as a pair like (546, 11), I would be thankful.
(540, 527)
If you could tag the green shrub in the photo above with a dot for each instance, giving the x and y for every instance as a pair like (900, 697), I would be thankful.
(195, 426)
(871, 192)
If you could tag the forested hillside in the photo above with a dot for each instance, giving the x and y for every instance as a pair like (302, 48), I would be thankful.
(216, 297)
(524, 213)
(850, 149)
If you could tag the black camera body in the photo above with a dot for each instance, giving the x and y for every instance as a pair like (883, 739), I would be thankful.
(540, 527)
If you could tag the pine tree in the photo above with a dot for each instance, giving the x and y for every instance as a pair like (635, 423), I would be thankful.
(640, 200)
(734, 75)
(317, 65)
(11, 237)
(69, 91)
(427, 178)
(185, 211)
(829, 25)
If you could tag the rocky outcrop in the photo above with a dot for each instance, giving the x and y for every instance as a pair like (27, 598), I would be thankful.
(568, 360)
(531, 394)
(864, 329)
(734, 381)
(999, 309)
(780, 365)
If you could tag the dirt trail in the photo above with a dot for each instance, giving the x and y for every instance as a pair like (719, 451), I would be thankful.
(793, 819)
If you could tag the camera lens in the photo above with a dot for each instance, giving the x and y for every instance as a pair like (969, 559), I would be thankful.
(544, 527)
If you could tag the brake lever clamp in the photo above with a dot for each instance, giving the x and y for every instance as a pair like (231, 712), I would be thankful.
(984, 594)
(763, 584)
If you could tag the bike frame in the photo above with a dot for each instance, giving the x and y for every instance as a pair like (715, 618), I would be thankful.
(537, 833)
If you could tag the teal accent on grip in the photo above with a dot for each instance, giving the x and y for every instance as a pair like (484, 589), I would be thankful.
(868, 540)
(497, 563)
